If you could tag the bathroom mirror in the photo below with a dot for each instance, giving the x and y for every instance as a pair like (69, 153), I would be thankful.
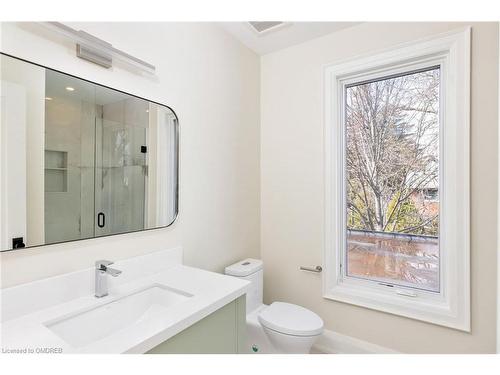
(81, 160)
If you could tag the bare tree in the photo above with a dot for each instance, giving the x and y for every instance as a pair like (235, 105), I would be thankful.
(392, 140)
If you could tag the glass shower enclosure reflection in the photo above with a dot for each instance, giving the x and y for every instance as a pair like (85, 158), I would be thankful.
(95, 160)
(121, 168)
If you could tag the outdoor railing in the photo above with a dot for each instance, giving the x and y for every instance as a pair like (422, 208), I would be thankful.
(393, 235)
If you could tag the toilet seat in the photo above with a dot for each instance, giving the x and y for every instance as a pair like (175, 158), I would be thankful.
(291, 319)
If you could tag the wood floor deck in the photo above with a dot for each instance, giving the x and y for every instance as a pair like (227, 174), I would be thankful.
(406, 260)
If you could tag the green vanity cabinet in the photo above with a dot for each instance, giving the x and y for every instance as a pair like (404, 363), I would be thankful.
(222, 332)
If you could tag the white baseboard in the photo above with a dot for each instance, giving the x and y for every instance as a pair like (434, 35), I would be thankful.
(336, 343)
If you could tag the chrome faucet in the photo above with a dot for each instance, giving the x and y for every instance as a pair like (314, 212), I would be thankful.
(101, 277)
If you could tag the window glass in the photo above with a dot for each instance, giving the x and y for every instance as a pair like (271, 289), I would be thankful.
(392, 179)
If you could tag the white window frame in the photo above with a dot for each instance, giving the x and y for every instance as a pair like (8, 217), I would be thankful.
(450, 306)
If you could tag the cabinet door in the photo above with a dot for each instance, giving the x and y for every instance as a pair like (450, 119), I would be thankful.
(222, 332)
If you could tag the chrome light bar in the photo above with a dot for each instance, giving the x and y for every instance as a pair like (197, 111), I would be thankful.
(96, 50)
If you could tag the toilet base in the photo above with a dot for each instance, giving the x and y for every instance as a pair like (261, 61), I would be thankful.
(261, 340)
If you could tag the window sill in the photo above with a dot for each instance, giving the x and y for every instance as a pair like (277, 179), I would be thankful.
(424, 306)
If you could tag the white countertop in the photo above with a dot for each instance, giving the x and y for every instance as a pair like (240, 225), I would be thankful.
(210, 292)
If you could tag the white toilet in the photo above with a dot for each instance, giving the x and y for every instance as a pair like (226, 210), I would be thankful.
(280, 327)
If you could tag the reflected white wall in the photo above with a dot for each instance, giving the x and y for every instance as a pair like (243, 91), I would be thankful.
(27, 182)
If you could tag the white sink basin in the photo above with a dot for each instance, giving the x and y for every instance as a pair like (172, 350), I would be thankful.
(84, 327)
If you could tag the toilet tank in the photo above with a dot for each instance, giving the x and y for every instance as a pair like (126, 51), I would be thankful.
(251, 270)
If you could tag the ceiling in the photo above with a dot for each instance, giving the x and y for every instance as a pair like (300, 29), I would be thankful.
(282, 37)
(56, 87)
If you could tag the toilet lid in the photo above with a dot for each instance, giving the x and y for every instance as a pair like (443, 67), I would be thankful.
(291, 320)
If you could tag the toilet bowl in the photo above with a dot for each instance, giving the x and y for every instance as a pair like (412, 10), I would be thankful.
(279, 327)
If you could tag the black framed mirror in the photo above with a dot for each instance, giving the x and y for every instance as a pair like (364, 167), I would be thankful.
(81, 160)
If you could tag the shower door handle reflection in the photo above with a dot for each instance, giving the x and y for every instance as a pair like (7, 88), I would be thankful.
(101, 220)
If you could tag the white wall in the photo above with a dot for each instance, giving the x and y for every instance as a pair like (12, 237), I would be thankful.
(292, 185)
(212, 82)
(498, 212)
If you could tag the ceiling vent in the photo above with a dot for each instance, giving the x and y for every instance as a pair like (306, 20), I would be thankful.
(263, 27)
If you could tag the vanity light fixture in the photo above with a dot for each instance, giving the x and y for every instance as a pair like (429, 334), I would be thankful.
(97, 51)
(69, 88)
